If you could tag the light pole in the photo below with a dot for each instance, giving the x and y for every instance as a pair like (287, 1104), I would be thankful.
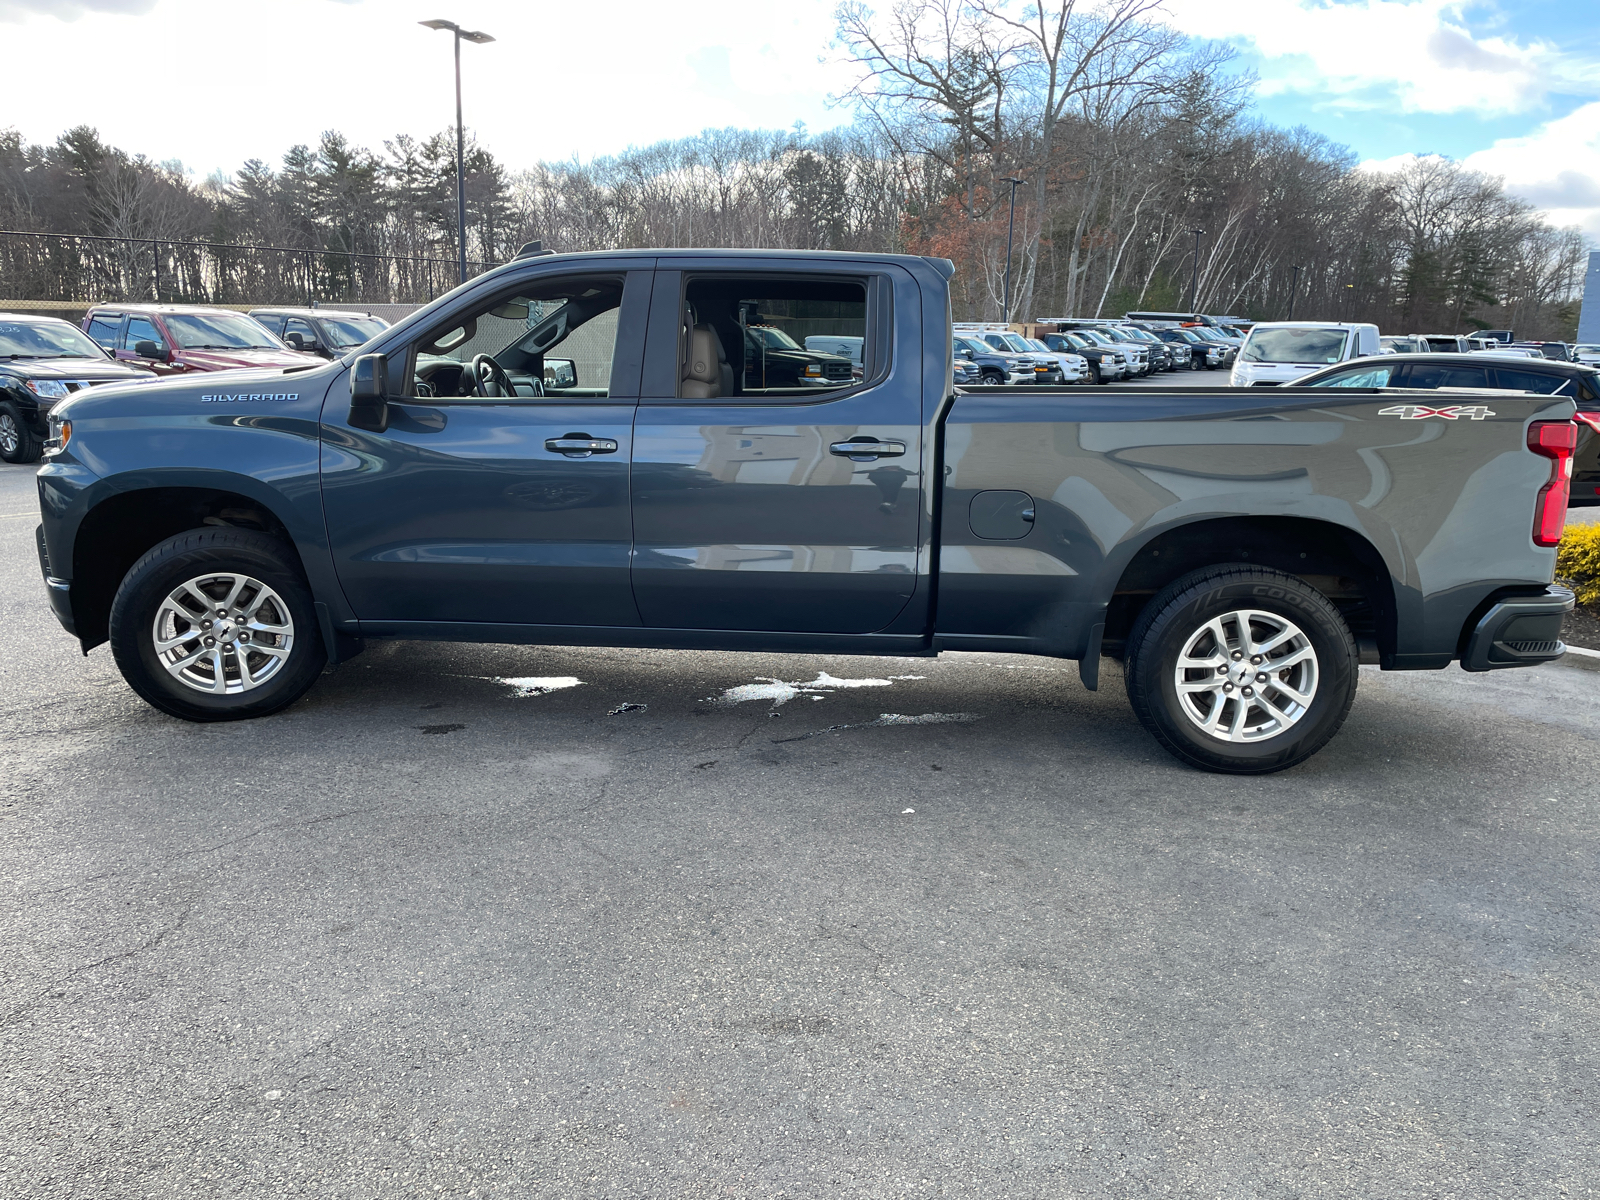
(1011, 224)
(1294, 287)
(1194, 284)
(461, 170)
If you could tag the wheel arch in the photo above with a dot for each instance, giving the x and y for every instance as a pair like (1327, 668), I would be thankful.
(1338, 561)
(117, 530)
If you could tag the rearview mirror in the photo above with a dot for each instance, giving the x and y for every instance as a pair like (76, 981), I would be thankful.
(560, 373)
(369, 393)
(153, 350)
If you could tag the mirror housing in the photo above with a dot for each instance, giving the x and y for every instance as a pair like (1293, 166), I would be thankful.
(369, 393)
(152, 350)
(560, 373)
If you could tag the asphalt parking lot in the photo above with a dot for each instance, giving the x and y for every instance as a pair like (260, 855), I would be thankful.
(500, 921)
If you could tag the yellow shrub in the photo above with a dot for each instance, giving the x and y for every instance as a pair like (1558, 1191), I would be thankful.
(1578, 561)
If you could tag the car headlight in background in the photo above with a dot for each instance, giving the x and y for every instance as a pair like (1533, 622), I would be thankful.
(52, 389)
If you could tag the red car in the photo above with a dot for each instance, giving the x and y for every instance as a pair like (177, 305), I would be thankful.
(173, 339)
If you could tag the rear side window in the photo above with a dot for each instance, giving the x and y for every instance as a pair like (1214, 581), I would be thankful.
(1427, 375)
(273, 321)
(1531, 381)
(760, 328)
(104, 330)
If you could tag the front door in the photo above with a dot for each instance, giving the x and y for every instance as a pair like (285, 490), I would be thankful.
(773, 489)
(498, 494)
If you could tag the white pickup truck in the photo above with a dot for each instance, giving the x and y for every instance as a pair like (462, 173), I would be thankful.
(1278, 352)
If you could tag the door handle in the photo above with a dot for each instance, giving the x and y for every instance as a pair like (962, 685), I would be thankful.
(580, 445)
(867, 449)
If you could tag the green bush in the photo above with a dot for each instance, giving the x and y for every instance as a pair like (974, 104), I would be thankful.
(1578, 562)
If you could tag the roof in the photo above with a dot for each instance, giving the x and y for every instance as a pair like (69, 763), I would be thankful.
(114, 306)
(1478, 359)
(293, 311)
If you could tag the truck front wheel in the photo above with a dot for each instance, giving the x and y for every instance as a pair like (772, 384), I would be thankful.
(1241, 670)
(217, 624)
(18, 443)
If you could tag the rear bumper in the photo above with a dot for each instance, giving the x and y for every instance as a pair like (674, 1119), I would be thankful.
(1518, 631)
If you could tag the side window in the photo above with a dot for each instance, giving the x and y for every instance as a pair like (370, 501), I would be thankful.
(1530, 381)
(273, 321)
(1427, 375)
(554, 340)
(295, 330)
(104, 330)
(1366, 377)
(749, 336)
(141, 329)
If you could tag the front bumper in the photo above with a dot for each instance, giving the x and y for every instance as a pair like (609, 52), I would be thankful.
(1518, 631)
(58, 590)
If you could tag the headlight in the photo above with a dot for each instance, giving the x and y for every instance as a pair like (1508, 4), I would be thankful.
(813, 369)
(60, 435)
(54, 389)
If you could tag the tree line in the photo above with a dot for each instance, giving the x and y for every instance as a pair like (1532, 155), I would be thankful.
(1120, 157)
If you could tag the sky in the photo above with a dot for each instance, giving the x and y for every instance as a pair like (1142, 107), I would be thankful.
(1511, 87)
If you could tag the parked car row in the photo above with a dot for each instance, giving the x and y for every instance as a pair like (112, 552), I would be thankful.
(46, 359)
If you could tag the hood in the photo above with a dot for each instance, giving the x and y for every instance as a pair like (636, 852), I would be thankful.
(69, 369)
(234, 360)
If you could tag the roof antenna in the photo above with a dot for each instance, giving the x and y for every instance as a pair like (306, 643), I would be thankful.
(532, 250)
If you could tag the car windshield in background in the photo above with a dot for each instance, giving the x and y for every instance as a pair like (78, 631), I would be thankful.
(219, 331)
(973, 344)
(344, 332)
(47, 339)
(1295, 346)
(1356, 377)
(773, 339)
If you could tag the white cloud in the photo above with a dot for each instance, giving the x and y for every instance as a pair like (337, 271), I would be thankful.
(70, 10)
(1419, 54)
(215, 83)
(1556, 168)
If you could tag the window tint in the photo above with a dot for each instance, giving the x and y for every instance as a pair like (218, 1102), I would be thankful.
(554, 341)
(141, 329)
(295, 325)
(104, 330)
(1354, 377)
(1530, 381)
(1427, 375)
(760, 327)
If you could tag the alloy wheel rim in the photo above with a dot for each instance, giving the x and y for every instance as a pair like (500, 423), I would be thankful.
(222, 634)
(9, 440)
(1246, 676)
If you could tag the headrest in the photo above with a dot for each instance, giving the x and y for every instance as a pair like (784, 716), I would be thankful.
(705, 355)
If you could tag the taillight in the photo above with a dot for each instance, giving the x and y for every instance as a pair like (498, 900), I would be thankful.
(1556, 441)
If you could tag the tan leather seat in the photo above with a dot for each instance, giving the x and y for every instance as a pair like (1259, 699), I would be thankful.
(706, 373)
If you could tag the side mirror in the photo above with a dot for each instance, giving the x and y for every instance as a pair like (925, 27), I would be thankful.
(560, 373)
(369, 393)
(152, 350)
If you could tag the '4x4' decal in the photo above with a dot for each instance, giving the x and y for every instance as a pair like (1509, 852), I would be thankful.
(1449, 412)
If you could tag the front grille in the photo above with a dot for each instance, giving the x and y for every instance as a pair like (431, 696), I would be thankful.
(837, 370)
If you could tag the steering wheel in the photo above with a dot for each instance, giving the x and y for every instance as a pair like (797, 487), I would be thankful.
(486, 371)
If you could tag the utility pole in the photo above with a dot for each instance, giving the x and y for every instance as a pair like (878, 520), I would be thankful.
(1011, 224)
(1194, 284)
(461, 171)
(1294, 287)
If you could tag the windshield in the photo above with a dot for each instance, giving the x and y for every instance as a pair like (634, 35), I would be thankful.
(46, 339)
(1370, 376)
(220, 331)
(344, 332)
(1036, 344)
(1013, 342)
(1284, 345)
(977, 347)
(1183, 335)
(773, 339)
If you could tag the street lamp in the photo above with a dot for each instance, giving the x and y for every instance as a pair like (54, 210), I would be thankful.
(1011, 222)
(1194, 285)
(461, 170)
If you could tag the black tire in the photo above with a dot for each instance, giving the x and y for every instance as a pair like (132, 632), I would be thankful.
(993, 378)
(1180, 611)
(162, 573)
(18, 443)
(1094, 372)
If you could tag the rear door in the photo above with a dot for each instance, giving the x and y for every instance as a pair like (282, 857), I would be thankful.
(793, 508)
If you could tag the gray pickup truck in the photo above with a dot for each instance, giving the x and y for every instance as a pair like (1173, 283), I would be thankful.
(590, 449)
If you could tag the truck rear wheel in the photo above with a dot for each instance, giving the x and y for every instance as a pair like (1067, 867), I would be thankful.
(217, 625)
(1241, 670)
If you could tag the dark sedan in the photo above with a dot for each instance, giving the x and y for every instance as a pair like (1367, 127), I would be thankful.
(43, 360)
